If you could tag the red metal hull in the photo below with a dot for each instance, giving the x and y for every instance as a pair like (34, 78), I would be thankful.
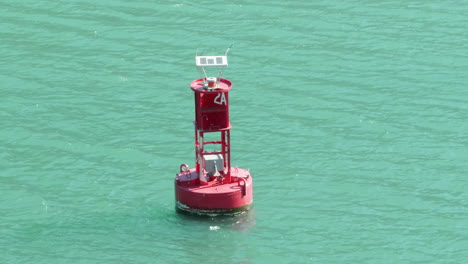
(214, 198)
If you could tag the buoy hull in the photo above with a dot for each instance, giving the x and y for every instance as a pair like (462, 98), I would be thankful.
(214, 198)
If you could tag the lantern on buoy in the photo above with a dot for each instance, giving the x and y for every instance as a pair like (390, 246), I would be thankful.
(212, 187)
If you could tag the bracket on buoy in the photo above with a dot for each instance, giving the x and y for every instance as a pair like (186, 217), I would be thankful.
(220, 62)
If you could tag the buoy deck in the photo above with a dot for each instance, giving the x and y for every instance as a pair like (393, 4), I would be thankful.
(214, 197)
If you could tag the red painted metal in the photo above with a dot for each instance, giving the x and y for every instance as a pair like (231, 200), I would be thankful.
(215, 197)
(213, 186)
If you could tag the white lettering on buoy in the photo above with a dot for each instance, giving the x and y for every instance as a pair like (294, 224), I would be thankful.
(220, 99)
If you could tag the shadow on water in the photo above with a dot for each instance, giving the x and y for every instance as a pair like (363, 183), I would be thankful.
(241, 222)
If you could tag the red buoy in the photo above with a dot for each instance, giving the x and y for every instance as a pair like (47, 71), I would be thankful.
(213, 187)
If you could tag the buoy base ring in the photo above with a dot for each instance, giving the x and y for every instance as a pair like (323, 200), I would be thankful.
(214, 198)
(184, 209)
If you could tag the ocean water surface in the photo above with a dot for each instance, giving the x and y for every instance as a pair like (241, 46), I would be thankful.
(352, 118)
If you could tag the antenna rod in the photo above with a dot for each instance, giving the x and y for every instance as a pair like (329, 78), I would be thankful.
(225, 54)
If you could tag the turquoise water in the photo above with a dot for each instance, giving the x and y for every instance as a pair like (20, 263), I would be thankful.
(352, 118)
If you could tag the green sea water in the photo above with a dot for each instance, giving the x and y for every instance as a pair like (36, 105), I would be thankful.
(351, 116)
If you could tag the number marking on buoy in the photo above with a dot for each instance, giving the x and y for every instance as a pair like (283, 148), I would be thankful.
(220, 99)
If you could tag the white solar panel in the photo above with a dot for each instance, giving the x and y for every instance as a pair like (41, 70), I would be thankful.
(208, 61)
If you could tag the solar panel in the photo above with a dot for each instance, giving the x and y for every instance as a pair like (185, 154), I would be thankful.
(208, 61)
